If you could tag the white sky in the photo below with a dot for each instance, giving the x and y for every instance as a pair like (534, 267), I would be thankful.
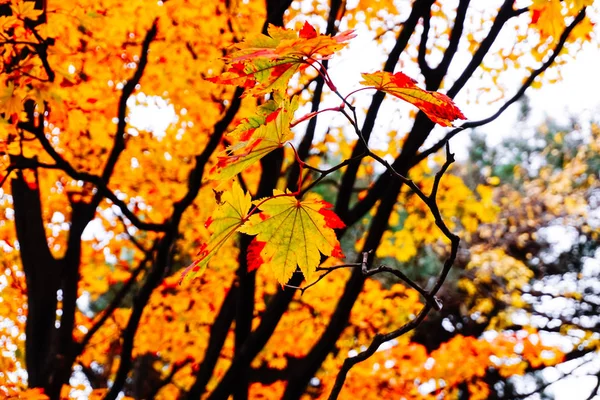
(576, 95)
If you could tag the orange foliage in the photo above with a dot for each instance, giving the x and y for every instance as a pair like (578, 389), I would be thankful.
(108, 107)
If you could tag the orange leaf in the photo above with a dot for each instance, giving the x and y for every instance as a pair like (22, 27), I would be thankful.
(547, 17)
(25, 9)
(265, 63)
(256, 137)
(437, 106)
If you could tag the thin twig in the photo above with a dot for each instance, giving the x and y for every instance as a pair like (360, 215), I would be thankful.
(132, 238)
(432, 302)
(326, 172)
(327, 270)
(534, 74)
(437, 304)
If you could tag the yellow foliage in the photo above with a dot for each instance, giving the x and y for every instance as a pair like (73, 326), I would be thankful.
(171, 116)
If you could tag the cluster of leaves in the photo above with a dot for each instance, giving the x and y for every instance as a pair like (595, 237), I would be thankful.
(290, 233)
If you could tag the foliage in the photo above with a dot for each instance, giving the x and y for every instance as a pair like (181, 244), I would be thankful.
(356, 239)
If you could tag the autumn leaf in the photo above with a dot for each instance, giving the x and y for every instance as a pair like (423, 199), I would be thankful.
(547, 16)
(244, 130)
(256, 137)
(25, 9)
(437, 106)
(226, 220)
(579, 4)
(292, 233)
(265, 63)
(10, 103)
(33, 394)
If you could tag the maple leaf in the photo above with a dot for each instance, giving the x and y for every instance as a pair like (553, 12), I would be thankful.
(547, 16)
(226, 220)
(256, 137)
(437, 106)
(244, 130)
(291, 233)
(265, 63)
(10, 103)
(25, 9)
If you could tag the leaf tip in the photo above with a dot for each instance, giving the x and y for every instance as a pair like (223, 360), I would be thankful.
(308, 31)
(253, 256)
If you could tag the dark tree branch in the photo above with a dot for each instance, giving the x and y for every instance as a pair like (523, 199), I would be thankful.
(128, 89)
(505, 13)
(218, 334)
(596, 388)
(116, 301)
(349, 178)
(167, 379)
(102, 187)
(132, 238)
(377, 190)
(432, 301)
(528, 82)
(434, 80)
(327, 271)
(421, 56)
(161, 262)
(326, 172)
(307, 367)
(244, 307)
(257, 339)
(42, 274)
(271, 170)
(41, 46)
(305, 144)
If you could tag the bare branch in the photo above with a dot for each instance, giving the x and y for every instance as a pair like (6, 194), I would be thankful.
(327, 270)
(432, 301)
(128, 89)
(423, 66)
(534, 74)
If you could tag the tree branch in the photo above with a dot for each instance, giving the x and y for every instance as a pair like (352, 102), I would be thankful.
(534, 74)
(167, 379)
(100, 184)
(349, 178)
(115, 302)
(430, 304)
(128, 89)
(161, 263)
(421, 59)
(305, 144)
(505, 13)
(218, 334)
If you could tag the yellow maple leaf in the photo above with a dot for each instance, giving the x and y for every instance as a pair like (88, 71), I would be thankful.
(227, 219)
(25, 9)
(292, 233)
(264, 63)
